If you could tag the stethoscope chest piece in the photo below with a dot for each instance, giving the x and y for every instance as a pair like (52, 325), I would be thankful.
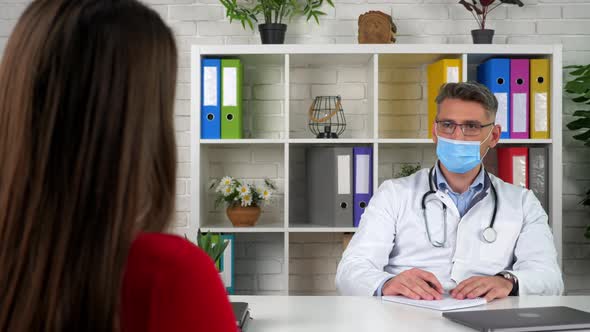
(489, 235)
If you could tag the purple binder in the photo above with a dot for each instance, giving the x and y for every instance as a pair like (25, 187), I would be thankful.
(519, 98)
(363, 181)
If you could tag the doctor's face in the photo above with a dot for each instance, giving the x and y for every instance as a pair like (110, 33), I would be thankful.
(471, 113)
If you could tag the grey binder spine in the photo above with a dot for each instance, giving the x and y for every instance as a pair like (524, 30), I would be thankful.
(329, 186)
(538, 176)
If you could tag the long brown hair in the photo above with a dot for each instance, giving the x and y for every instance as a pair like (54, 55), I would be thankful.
(87, 157)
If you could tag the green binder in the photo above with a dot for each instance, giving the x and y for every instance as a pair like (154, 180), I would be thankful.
(231, 98)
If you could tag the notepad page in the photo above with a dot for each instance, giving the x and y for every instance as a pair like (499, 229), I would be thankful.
(447, 302)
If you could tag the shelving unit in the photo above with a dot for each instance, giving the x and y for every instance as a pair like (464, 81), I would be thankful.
(383, 89)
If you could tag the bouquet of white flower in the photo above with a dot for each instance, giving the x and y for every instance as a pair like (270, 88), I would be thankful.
(238, 193)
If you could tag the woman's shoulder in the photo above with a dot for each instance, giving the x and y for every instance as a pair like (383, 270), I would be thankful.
(168, 251)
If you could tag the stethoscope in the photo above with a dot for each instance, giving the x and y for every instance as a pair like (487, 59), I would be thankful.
(489, 234)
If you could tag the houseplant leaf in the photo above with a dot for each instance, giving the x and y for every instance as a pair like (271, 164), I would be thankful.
(218, 249)
(580, 99)
(579, 124)
(583, 113)
(583, 136)
(513, 2)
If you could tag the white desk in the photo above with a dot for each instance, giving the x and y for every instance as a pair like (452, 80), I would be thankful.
(360, 314)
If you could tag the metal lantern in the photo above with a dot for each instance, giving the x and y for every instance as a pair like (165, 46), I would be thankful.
(326, 117)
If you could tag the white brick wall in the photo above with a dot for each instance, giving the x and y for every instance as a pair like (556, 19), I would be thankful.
(418, 21)
(313, 261)
(259, 264)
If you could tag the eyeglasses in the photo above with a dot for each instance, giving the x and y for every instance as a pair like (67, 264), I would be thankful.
(468, 129)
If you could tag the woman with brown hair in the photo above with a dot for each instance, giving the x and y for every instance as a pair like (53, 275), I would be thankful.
(87, 166)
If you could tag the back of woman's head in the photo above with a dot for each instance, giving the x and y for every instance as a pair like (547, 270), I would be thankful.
(87, 160)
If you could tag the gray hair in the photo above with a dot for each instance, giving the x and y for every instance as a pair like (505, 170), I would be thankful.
(469, 91)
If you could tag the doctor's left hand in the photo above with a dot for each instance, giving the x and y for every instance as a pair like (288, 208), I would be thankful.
(493, 287)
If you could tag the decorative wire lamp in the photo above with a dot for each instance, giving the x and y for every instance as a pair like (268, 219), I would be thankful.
(326, 117)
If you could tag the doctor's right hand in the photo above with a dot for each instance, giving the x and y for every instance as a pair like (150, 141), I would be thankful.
(415, 284)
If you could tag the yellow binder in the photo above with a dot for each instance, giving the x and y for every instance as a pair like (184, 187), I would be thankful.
(440, 72)
(539, 98)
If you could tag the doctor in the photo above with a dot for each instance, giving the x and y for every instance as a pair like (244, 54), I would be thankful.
(454, 227)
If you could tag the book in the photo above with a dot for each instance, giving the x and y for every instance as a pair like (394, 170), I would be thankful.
(242, 314)
(447, 302)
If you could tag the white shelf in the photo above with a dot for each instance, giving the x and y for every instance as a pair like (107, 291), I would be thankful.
(540, 49)
(331, 141)
(429, 141)
(306, 228)
(405, 140)
(263, 225)
(243, 229)
(292, 70)
(525, 141)
(243, 141)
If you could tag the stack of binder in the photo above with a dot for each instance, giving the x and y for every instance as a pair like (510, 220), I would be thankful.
(525, 167)
(339, 184)
(522, 89)
(221, 98)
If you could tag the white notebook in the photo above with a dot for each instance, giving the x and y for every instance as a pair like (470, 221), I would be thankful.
(447, 302)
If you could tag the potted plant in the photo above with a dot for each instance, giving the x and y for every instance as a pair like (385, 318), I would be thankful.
(272, 31)
(480, 12)
(212, 244)
(243, 200)
(579, 87)
(407, 170)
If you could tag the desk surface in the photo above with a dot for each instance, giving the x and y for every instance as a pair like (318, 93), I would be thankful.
(349, 313)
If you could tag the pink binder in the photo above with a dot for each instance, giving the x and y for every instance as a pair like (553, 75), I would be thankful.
(519, 98)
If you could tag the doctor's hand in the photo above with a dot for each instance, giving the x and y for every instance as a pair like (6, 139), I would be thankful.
(493, 287)
(416, 284)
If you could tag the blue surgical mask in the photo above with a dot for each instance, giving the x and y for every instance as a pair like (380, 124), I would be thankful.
(459, 156)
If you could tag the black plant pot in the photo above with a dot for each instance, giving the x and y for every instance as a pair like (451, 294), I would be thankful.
(482, 36)
(272, 33)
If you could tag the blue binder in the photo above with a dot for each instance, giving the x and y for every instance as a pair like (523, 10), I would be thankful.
(226, 263)
(211, 98)
(363, 181)
(495, 74)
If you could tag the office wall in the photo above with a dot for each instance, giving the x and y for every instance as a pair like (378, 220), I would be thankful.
(420, 21)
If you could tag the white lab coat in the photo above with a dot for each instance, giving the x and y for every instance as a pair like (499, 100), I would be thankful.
(392, 238)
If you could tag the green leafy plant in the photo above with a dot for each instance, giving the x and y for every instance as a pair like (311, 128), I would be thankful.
(235, 192)
(481, 10)
(407, 170)
(212, 244)
(272, 11)
(579, 88)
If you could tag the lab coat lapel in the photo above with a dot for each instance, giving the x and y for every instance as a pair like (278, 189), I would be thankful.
(451, 207)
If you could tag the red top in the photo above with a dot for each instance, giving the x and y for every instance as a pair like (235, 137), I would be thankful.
(172, 285)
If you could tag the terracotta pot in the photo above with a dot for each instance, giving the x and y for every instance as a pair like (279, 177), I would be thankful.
(243, 216)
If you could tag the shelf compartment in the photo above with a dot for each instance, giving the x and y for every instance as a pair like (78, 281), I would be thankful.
(347, 75)
(314, 258)
(403, 94)
(393, 156)
(263, 86)
(250, 163)
(259, 264)
(299, 211)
